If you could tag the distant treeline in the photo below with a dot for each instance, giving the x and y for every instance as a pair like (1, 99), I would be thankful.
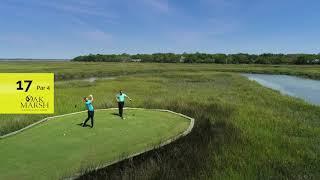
(205, 58)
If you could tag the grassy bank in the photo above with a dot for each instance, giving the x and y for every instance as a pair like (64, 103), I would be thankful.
(242, 130)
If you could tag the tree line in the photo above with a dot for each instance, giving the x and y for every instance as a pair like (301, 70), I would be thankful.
(240, 58)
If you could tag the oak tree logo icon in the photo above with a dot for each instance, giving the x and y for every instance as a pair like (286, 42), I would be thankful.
(28, 98)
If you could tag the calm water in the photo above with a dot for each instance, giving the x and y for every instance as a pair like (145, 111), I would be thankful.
(306, 89)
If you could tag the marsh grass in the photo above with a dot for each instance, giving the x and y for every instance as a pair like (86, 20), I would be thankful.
(242, 130)
(81, 70)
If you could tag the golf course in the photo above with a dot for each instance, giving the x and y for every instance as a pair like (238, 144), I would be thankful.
(242, 130)
(159, 90)
(60, 147)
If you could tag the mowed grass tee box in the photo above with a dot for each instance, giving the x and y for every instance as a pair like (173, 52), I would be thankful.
(27, 93)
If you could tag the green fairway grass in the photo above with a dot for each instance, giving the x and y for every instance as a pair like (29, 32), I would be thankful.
(61, 147)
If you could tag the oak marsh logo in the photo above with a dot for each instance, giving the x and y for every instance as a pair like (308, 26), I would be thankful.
(34, 103)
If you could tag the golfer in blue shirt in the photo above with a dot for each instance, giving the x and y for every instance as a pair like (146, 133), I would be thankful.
(120, 99)
(89, 106)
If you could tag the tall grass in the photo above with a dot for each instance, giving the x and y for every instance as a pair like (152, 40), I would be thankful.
(80, 70)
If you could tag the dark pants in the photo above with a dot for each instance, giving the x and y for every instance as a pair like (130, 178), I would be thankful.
(120, 106)
(90, 116)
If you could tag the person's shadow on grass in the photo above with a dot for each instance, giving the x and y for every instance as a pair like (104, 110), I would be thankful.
(81, 124)
(115, 114)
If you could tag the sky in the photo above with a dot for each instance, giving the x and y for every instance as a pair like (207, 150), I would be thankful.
(68, 28)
